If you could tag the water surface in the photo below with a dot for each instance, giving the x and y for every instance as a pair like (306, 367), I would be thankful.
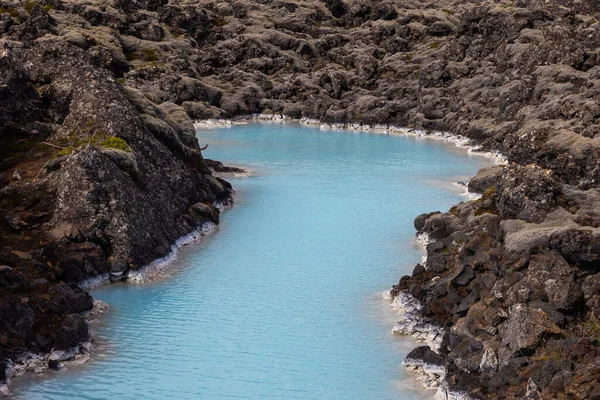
(283, 301)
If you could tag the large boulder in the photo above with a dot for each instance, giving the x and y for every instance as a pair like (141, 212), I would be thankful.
(524, 330)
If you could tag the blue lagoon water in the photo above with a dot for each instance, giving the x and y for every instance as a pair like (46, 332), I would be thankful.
(283, 300)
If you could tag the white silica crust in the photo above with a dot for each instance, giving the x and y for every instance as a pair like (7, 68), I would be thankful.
(94, 281)
(433, 377)
(411, 323)
(213, 123)
(457, 140)
(159, 266)
(30, 362)
(430, 376)
(467, 194)
(423, 240)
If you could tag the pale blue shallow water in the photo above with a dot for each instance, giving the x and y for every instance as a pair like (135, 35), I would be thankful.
(284, 300)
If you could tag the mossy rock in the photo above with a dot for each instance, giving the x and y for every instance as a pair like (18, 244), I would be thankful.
(104, 141)
(113, 142)
(13, 12)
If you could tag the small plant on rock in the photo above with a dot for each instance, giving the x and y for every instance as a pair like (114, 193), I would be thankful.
(113, 142)
(590, 326)
(100, 139)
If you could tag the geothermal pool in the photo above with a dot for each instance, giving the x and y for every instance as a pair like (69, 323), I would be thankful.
(283, 300)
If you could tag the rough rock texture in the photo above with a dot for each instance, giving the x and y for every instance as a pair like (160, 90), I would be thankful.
(513, 279)
(217, 166)
(512, 276)
(96, 179)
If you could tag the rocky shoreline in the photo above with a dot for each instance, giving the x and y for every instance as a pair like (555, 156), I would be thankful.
(101, 173)
(504, 306)
(457, 140)
(28, 362)
(92, 183)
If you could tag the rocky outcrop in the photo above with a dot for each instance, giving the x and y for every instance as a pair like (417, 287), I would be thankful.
(506, 278)
(100, 171)
(96, 179)
(217, 166)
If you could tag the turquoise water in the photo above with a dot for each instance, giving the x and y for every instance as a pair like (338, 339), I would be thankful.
(283, 300)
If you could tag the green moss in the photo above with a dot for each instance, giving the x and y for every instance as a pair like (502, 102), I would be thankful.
(451, 249)
(489, 192)
(64, 152)
(219, 21)
(320, 64)
(176, 32)
(150, 54)
(29, 6)
(449, 12)
(130, 55)
(434, 45)
(49, 7)
(591, 326)
(113, 142)
(408, 57)
(548, 355)
(93, 135)
(486, 201)
(13, 13)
